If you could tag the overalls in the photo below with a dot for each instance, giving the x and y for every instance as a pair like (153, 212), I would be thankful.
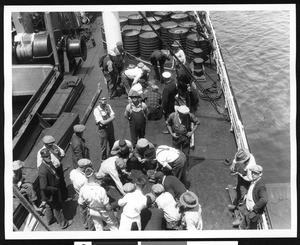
(137, 124)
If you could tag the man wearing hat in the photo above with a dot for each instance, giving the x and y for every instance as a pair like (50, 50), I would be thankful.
(51, 190)
(172, 160)
(79, 148)
(25, 187)
(122, 148)
(136, 112)
(179, 53)
(168, 96)
(255, 200)
(56, 155)
(104, 116)
(110, 73)
(153, 101)
(79, 179)
(114, 167)
(94, 196)
(192, 212)
(120, 57)
(132, 75)
(182, 124)
(158, 57)
(134, 201)
(171, 184)
(241, 165)
(165, 201)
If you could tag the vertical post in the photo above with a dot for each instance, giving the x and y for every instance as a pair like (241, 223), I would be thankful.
(112, 28)
(22, 22)
(52, 39)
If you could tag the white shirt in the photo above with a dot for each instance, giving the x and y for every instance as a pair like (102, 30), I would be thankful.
(193, 219)
(54, 159)
(78, 179)
(108, 167)
(181, 56)
(133, 73)
(99, 113)
(167, 203)
(94, 196)
(166, 154)
(134, 203)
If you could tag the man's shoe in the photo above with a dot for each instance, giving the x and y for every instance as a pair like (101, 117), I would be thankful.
(68, 223)
(237, 222)
(231, 207)
(165, 132)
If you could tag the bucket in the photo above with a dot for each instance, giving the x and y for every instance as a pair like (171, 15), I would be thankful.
(198, 67)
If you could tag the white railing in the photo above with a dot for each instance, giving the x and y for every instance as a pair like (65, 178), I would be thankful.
(236, 124)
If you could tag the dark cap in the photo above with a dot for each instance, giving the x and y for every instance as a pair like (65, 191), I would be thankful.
(45, 153)
(122, 143)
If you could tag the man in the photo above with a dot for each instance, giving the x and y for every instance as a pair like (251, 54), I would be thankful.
(94, 196)
(131, 76)
(78, 180)
(153, 101)
(179, 53)
(255, 200)
(104, 116)
(134, 201)
(114, 167)
(168, 96)
(192, 212)
(182, 124)
(171, 184)
(172, 160)
(241, 165)
(123, 149)
(110, 73)
(57, 154)
(120, 57)
(79, 148)
(158, 57)
(136, 112)
(50, 190)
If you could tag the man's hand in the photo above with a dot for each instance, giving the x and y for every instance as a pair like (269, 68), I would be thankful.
(19, 184)
(175, 136)
(189, 134)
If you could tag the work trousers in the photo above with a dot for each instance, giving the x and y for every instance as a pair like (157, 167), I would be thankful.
(241, 189)
(62, 183)
(86, 218)
(55, 208)
(155, 63)
(107, 136)
(179, 168)
(182, 144)
(126, 222)
(111, 79)
(108, 217)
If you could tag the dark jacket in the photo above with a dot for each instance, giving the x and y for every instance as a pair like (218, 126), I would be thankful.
(152, 218)
(168, 97)
(79, 149)
(174, 186)
(158, 55)
(260, 198)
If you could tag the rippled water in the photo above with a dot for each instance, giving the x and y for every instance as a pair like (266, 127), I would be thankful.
(256, 49)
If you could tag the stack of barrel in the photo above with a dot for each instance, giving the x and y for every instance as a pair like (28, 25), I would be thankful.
(196, 41)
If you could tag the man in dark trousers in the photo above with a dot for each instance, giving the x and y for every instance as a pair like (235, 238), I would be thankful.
(168, 96)
(50, 190)
(79, 148)
(158, 57)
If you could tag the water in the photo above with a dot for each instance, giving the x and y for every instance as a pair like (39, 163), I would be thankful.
(256, 50)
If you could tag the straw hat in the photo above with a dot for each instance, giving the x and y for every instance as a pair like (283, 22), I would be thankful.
(189, 199)
(48, 139)
(242, 156)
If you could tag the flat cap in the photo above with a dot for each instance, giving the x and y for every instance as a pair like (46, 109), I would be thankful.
(158, 188)
(257, 169)
(83, 162)
(133, 93)
(45, 153)
(17, 165)
(140, 65)
(159, 175)
(142, 142)
(183, 109)
(129, 187)
(48, 139)
(166, 75)
(79, 128)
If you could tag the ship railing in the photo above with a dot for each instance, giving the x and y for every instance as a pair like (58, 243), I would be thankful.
(230, 104)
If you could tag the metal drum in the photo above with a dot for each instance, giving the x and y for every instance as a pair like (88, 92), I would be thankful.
(131, 27)
(41, 45)
(198, 67)
(24, 52)
(188, 25)
(149, 42)
(164, 15)
(179, 34)
(165, 30)
(180, 17)
(103, 37)
(197, 53)
(131, 41)
(135, 19)
(195, 41)
(154, 20)
(123, 21)
(148, 28)
(76, 48)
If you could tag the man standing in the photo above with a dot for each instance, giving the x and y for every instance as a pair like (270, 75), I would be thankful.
(50, 190)
(158, 57)
(153, 101)
(168, 96)
(119, 58)
(57, 154)
(256, 200)
(182, 124)
(79, 148)
(104, 116)
(179, 53)
(79, 179)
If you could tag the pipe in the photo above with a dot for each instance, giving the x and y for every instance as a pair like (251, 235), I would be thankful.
(49, 28)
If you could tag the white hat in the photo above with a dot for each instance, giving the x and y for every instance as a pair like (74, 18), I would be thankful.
(140, 65)
(183, 109)
(128, 187)
(142, 142)
(17, 165)
(83, 162)
(79, 128)
(166, 75)
(48, 139)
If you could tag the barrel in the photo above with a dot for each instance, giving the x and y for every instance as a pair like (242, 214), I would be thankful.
(188, 25)
(123, 21)
(148, 28)
(195, 41)
(135, 19)
(149, 42)
(131, 27)
(103, 37)
(198, 67)
(178, 34)
(24, 52)
(76, 48)
(197, 53)
(131, 42)
(154, 20)
(164, 15)
(191, 15)
(41, 45)
(180, 17)
(166, 26)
